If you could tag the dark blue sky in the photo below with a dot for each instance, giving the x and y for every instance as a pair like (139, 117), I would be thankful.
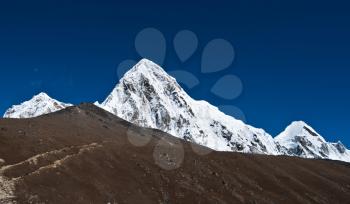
(293, 57)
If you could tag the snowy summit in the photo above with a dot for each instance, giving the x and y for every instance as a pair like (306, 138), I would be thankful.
(299, 139)
(39, 105)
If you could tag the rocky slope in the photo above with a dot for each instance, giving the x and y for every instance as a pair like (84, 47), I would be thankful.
(83, 154)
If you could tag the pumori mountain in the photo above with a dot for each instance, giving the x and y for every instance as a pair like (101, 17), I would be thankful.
(149, 97)
(39, 105)
(299, 139)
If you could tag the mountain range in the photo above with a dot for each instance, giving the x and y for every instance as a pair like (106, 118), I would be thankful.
(148, 97)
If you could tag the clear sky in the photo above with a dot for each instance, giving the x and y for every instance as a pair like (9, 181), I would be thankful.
(293, 57)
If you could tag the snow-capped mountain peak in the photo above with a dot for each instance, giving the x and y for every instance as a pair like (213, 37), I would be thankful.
(149, 97)
(147, 67)
(300, 128)
(300, 139)
(40, 104)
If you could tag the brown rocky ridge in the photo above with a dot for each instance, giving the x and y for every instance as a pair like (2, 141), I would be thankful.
(83, 154)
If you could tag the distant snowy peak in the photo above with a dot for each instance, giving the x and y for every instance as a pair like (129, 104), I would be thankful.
(39, 105)
(149, 97)
(299, 128)
(299, 139)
